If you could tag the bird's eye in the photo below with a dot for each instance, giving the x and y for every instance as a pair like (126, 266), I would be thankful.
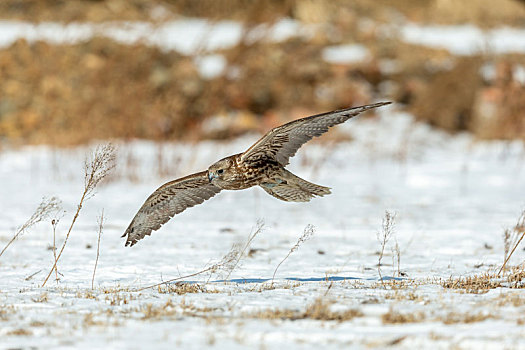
(220, 171)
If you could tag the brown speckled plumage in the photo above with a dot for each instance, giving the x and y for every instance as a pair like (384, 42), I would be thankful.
(261, 165)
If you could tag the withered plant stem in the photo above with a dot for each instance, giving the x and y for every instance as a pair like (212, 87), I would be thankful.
(511, 252)
(102, 162)
(79, 207)
(54, 223)
(308, 232)
(388, 227)
(100, 226)
(211, 268)
(43, 210)
(258, 228)
(520, 227)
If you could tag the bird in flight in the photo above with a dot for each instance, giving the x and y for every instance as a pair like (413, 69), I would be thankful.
(261, 165)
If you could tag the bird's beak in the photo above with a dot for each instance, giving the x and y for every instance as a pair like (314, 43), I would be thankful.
(211, 176)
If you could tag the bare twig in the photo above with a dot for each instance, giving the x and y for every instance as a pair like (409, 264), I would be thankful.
(328, 289)
(226, 261)
(506, 243)
(43, 211)
(100, 226)
(388, 227)
(54, 224)
(241, 252)
(396, 258)
(398, 254)
(32, 275)
(519, 229)
(176, 279)
(308, 232)
(95, 169)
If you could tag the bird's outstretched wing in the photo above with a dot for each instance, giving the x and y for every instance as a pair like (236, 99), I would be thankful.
(282, 142)
(168, 200)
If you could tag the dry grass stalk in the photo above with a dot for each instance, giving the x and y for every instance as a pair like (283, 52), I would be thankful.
(32, 275)
(518, 230)
(454, 318)
(19, 332)
(100, 226)
(396, 259)
(43, 211)
(100, 164)
(226, 262)
(43, 298)
(95, 170)
(54, 224)
(308, 232)
(242, 252)
(516, 277)
(329, 287)
(182, 288)
(388, 227)
(506, 243)
(169, 309)
(477, 284)
(398, 254)
(393, 317)
(318, 310)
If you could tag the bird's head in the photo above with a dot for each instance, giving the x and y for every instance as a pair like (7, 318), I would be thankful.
(221, 171)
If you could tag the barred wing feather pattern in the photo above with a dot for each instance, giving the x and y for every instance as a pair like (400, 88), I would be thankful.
(282, 142)
(263, 164)
(171, 198)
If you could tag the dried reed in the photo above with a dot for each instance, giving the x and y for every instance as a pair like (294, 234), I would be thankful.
(46, 208)
(100, 164)
(308, 232)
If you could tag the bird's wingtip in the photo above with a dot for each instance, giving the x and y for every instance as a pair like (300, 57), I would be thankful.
(129, 241)
(379, 104)
(368, 107)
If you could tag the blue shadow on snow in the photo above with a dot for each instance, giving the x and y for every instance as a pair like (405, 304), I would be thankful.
(308, 279)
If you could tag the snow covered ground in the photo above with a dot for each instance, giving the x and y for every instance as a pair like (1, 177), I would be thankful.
(197, 37)
(189, 35)
(466, 39)
(453, 197)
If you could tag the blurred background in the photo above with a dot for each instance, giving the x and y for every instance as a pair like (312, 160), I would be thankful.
(76, 71)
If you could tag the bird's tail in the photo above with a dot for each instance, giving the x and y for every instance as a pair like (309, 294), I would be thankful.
(292, 188)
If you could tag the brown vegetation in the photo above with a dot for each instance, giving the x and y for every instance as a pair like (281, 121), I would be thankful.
(182, 288)
(476, 284)
(480, 12)
(318, 310)
(99, 89)
(19, 332)
(482, 283)
(97, 167)
(170, 309)
(77, 10)
(392, 317)
(453, 317)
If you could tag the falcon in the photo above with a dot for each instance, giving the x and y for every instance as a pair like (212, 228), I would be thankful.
(263, 164)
